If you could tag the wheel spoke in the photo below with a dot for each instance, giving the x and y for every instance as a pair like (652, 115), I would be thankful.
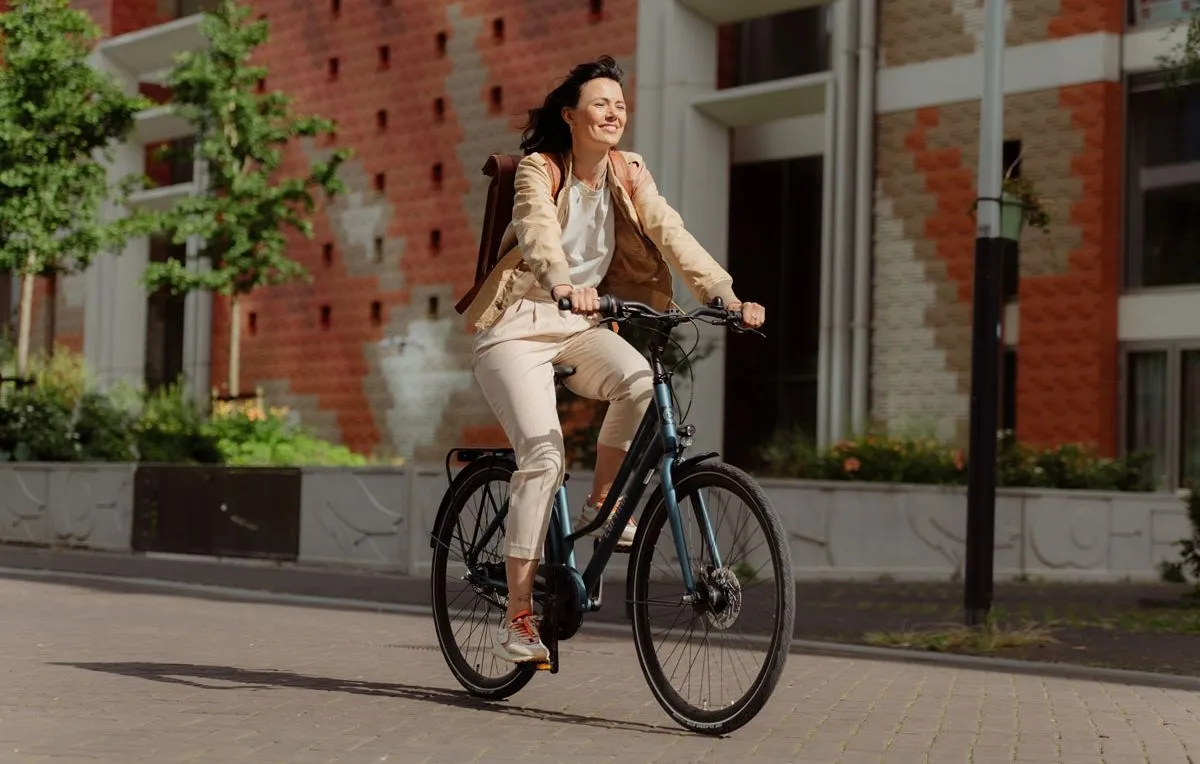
(465, 613)
(714, 662)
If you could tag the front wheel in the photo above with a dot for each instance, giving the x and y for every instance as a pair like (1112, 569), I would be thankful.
(714, 659)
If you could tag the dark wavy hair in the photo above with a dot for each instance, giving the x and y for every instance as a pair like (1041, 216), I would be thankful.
(546, 131)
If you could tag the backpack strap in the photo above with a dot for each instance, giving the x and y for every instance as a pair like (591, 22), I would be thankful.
(555, 167)
(624, 174)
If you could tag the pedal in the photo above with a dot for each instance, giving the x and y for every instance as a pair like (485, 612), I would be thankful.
(543, 666)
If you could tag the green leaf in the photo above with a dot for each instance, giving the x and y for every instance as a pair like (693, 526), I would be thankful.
(59, 116)
(249, 205)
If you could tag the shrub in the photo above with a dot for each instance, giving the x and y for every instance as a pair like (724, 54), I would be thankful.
(1189, 548)
(171, 430)
(883, 458)
(248, 435)
(60, 418)
(64, 417)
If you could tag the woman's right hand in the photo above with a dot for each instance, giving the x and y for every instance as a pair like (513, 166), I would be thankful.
(584, 300)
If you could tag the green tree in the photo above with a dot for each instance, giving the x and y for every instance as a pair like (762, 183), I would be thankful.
(1182, 65)
(58, 119)
(244, 207)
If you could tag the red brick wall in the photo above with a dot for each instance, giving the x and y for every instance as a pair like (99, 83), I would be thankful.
(132, 15)
(1066, 383)
(1067, 371)
(335, 368)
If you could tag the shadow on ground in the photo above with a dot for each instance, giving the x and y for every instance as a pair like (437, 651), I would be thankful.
(203, 677)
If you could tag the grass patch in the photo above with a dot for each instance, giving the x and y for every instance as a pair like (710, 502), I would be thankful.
(988, 639)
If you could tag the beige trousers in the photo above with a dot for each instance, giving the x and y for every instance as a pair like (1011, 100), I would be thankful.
(513, 362)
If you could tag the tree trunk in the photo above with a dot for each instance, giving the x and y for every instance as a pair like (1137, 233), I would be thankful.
(235, 342)
(26, 326)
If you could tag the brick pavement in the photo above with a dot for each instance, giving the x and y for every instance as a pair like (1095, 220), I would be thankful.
(113, 676)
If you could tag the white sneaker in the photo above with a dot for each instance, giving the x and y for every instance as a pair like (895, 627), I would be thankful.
(518, 640)
(592, 511)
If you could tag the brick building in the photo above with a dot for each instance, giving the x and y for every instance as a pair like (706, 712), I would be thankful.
(825, 151)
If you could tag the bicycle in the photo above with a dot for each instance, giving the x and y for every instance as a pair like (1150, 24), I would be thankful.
(717, 591)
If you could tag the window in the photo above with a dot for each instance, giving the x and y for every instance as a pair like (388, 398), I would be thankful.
(191, 7)
(1159, 12)
(775, 47)
(1008, 390)
(1161, 414)
(165, 319)
(1189, 422)
(1164, 182)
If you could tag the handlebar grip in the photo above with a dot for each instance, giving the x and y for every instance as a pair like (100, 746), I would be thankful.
(609, 306)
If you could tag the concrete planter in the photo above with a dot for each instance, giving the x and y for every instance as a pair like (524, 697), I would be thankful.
(862, 530)
(83, 505)
(380, 518)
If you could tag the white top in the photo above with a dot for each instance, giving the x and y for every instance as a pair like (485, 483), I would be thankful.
(589, 235)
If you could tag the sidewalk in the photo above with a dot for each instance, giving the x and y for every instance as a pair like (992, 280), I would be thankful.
(122, 677)
(1085, 625)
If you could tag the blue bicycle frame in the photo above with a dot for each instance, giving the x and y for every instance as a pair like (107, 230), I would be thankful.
(657, 444)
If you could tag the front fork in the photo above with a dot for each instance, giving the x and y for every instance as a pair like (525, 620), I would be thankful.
(673, 449)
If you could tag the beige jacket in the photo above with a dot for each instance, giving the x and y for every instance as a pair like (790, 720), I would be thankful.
(647, 228)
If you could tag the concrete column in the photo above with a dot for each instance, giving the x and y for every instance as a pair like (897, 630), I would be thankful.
(198, 313)
(689, 157)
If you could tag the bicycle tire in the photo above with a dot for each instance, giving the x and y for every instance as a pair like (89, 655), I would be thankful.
(726, 720)
(474, 477)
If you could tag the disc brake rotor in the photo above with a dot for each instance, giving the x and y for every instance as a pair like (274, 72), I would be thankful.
(724, 582)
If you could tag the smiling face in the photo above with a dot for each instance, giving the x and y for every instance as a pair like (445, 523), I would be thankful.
(598, 120)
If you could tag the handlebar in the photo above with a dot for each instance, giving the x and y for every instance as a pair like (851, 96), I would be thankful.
(614, 308)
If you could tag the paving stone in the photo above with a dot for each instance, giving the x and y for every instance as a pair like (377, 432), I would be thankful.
(120, 677)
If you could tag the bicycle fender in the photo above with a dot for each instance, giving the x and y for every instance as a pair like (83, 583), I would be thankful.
(452, 491)
(679, 471)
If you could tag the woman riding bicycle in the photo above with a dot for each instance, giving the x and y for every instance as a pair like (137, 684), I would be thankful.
(587, 219)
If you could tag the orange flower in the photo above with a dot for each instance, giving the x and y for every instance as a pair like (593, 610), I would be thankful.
(960, 460)
(851, 465)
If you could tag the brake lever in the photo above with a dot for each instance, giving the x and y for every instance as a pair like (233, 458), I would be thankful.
(746, 330)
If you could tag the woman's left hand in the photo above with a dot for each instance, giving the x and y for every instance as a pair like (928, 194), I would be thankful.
(753, 314)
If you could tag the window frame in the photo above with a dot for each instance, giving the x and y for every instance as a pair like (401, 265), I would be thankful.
(1137, 179)
(1174, 397)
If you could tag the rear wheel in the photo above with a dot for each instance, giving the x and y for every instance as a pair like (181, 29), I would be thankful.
(468, 559)
(713, 662)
